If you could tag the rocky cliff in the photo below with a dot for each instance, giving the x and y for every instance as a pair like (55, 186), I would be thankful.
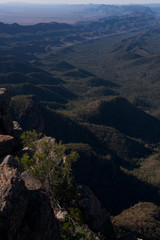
(6, 124)
(7, 142)
(25, 210)
(25, 213)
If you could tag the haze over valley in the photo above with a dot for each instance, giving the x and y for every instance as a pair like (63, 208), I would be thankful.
(32, 13)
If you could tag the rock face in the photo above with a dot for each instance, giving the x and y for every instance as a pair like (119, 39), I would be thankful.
(13, 199)
(6, 124)
(7, 144)
(24, 214)
(91, 208)
(39, 222)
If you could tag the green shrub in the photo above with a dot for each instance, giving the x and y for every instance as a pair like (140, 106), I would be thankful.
(50, 165)
(77, 215)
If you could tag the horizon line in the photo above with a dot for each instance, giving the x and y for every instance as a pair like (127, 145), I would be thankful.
(35, 3)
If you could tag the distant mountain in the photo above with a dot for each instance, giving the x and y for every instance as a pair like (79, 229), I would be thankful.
(35, 13)
(42, 27)
(130, 49)
(125, 23)
(63, 66)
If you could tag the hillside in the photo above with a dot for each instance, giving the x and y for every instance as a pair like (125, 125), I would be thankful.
(135, 219)
(123, 116)
(130, 60)
(46, 209)
(109, 149)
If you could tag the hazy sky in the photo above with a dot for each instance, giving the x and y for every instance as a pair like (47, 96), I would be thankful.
(84, 1)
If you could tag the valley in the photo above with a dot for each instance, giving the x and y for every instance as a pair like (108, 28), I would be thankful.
(94, 85)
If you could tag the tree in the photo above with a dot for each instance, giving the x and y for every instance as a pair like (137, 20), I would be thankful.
(51, 165)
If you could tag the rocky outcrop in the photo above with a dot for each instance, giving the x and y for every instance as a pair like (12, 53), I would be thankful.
(39, 222)
(6, 124)
(24, 214)
(94, 215)
(13, 199)
(17, 129)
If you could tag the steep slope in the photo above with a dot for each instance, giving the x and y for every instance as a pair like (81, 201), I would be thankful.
(31, 114)
(115, 189)
(103, 150)
(20, 190)
(127, 149)
(123, 116)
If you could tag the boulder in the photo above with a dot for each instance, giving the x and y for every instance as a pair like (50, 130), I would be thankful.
(31, 182)
(6, 124)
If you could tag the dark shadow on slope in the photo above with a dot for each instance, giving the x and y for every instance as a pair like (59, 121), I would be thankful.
(125, 117)
(116, 190)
